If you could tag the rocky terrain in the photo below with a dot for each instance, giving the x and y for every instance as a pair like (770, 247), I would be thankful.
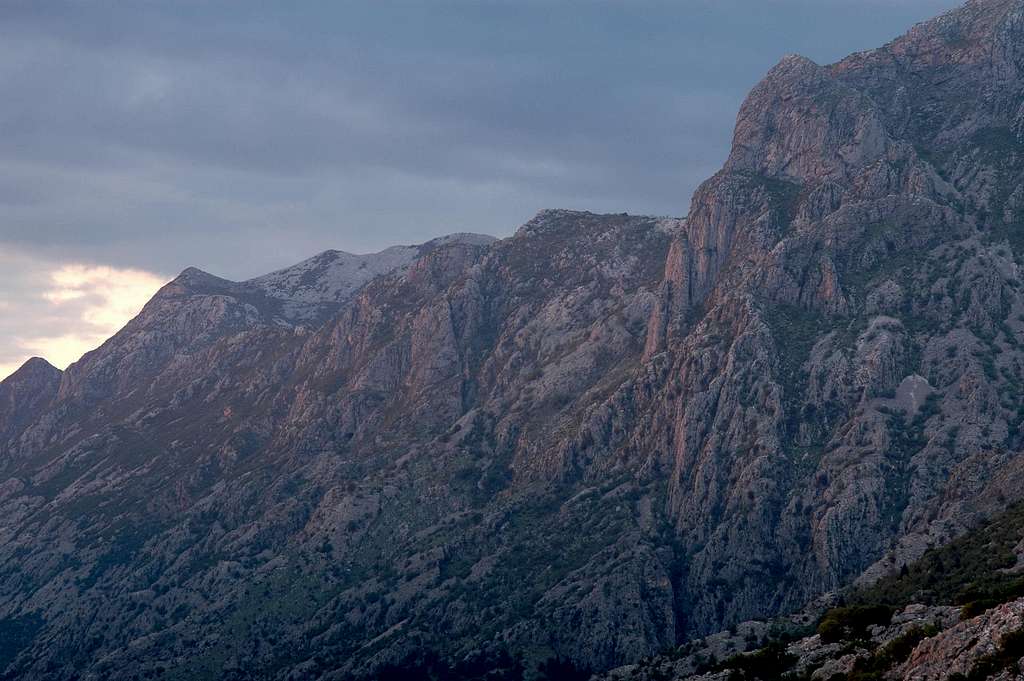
(919, 643)
(568, 450)
(957, 613)
(316, 288)
(25, 394)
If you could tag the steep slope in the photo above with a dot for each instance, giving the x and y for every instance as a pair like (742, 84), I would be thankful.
(957, 613)
(25, 394)
(154, 357)
(840, 322)
(321, 487)
(593, 440)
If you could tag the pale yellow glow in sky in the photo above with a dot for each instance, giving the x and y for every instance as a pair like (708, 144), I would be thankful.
(8, 369)
(119, 294)
(96, 302)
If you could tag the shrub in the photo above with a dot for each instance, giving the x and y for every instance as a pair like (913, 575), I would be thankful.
(559, 669)
(969, 571)
(974, 608)
(852, 623)
(770, 662)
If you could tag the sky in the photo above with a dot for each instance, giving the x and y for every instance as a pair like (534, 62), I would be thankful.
(240, 137)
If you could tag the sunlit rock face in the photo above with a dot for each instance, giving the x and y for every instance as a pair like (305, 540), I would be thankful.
(594, 439)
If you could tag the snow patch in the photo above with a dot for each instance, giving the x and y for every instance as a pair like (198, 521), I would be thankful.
(327, 280)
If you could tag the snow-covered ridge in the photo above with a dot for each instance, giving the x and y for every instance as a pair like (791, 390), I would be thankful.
(314, 286)
(333, 276)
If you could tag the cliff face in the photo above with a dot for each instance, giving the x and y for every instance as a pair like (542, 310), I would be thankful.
(593, 439)
(395, 471)
(840, 319)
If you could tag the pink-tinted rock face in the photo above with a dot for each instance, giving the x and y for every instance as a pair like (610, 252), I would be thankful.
(959, 649)
(861, 234)
(593, 439)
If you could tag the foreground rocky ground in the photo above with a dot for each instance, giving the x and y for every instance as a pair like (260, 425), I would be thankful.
(920, 643)
(956, 614)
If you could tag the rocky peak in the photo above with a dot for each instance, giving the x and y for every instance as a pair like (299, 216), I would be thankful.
(329, 277)
(811, 139)
(977, 28)
(801, 124)
(34, 368)
(810, 123)
(191, 281)
(314, 288)
(25, 393)
(459, 238)
(197, 309)
(193, 277)
(553, 219)
(597, 438)
(920, 79)
(811, 251)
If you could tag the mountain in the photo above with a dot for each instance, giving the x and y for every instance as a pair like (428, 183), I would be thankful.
(317, 287)
(25, 394)
(289, 478)
(959, 610)
(574, 448)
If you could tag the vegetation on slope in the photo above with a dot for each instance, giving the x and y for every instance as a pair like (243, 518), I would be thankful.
(974, 571)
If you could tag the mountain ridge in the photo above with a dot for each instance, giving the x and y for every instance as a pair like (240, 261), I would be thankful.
(594, 440)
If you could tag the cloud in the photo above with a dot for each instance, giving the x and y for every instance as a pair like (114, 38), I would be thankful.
(60, 311)
(155, 137)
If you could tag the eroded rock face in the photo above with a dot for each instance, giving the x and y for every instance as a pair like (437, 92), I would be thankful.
(25, 395)
(389, 470)
(858, 246)
(811, 657)
(959, 649)
(595, 439)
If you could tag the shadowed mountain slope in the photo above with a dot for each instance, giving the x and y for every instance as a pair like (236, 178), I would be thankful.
(593, 440)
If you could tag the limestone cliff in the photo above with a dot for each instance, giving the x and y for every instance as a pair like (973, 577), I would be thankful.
(593, 440)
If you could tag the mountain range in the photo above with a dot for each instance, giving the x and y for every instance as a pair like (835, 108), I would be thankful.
(577, 448)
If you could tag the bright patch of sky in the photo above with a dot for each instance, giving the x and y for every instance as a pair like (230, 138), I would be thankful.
(62, 310)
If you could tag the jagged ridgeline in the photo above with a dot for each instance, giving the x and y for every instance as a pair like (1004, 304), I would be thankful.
(566, 450)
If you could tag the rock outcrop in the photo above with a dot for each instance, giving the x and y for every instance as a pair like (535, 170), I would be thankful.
(961, 648)
(25, 395)
(836, 262)
(920, 644)
(593, 440)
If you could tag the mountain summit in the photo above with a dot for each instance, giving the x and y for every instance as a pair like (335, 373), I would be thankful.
(592, 441)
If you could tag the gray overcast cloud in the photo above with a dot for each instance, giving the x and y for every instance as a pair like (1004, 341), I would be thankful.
(141, 138)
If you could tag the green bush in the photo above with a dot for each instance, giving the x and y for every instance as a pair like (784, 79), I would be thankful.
(889, 656)
(974, 608)
(852, 623)
(831, 631)
(969, 571)
(770, 662)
